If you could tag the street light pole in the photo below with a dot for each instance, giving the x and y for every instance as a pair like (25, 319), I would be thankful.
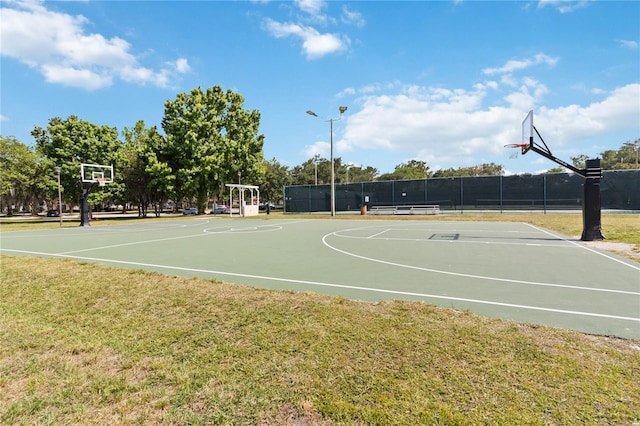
(348, 167)
(333, 172)
(58, 169)
(315, 163)
(342, 109)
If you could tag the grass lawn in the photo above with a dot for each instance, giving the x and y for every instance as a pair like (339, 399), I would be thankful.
(86, 344)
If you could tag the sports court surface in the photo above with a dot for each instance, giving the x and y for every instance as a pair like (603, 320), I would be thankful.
(513, 271)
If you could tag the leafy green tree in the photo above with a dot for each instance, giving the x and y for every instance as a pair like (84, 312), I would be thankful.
(630, 152)
(611, 159)
(580, 161)
(350, 173)
(23, 179)
(211, 140)
(413, 169)
(624, 158)
(485, 169)
(148, 181)
(307, 172)
(557, 169)
(68, 143)
(276, 177)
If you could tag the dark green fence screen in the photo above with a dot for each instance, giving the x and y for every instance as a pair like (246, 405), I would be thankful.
(619, 189)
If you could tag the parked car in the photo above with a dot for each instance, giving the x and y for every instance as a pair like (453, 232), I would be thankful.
(219, 209)
(190, 210)
(53, 213)
(268, 204)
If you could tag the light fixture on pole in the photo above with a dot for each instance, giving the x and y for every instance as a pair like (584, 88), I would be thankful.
(342, 109)
(58, 169)
(348, 166)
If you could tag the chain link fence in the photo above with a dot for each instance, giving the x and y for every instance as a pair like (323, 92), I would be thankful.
(620, 189)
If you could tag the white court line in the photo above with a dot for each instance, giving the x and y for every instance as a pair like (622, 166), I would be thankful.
(133, 243)
(587, 248)
(350, 287)
(122, 228)
(204, 232)
(460, 274)
(375, 235)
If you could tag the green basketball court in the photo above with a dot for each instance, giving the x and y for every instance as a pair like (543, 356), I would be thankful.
(513, 271)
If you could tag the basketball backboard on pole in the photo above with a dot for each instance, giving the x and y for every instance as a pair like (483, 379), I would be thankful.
(527, 133)
(592, 173)
(96, 173)
(101, 174)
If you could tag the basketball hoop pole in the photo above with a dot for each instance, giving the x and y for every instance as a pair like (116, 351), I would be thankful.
(592, 173)
(84, 208)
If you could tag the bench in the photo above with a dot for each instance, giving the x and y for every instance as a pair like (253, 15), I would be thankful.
(408, 210)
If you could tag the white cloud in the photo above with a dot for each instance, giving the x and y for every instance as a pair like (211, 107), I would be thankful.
(352, 17)
(312, 7)
(58, 46)
(619, 110)
(455, 128)
(182, 66)
(564, 6)
(314, 44)
(77, 77)
(521, 64)
(629, 44)
(320, 148)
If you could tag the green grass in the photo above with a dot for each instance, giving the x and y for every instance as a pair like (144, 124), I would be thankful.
(87, 344)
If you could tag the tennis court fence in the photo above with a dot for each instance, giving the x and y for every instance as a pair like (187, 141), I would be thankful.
(619, 189)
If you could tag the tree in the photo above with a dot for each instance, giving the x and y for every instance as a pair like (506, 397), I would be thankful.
(624, 158)
(580, 161)
(315, 170)
(631, 153)
(148, 181)
(557, 169)
(413, 169)
(276, 177)
(68, 143)
(354, 173)
(210, 140)
(485, 169)
(22, 178)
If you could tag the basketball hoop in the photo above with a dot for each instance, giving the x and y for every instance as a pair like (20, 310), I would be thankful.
(101, 181)
(522, 146)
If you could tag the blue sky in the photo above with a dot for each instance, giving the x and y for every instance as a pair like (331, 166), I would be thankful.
(446, 82)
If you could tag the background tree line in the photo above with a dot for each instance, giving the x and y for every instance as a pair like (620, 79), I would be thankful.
(207, 139)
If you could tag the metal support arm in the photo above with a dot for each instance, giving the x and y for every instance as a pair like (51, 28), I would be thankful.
(550, 156)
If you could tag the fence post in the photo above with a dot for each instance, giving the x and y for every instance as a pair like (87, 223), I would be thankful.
(500, 193)
(461, 194)
(393, 192)
(544, 192)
